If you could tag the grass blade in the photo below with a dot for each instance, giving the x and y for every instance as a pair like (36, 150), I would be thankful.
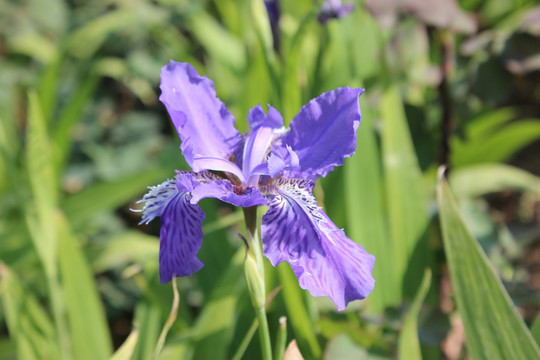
(406, 197)
(409, 345)
(88, 325)
(300, 321)
(492, 325)
(366, 219)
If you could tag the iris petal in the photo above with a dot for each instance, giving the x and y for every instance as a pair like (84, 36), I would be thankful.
(323, 133)
(202, 121)
(225, 191)
(157, 199)
(325, 260)
(181, 233)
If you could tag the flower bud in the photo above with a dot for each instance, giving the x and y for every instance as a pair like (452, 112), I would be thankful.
(255, 282)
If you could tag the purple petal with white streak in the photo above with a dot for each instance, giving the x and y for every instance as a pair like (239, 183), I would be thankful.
(323, 133)
(181, 233)
(202, 121)
(157, 199)
(325, 261)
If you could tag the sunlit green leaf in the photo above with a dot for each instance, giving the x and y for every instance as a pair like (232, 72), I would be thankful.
(493, 328)
(366, 218)
(478, 180)
(405, 194)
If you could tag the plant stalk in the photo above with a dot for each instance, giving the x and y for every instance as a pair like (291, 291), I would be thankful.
(250, 216)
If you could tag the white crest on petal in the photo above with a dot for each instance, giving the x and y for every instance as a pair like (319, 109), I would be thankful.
(157, 199)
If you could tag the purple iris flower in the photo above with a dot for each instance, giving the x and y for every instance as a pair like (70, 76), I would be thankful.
(334, 9)
(271, 166)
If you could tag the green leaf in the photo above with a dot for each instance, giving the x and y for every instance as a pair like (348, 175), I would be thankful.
(215, 324)
(107, 196)
(147, 318)
(125, 351)
(221, 45)
(131, 246)
(409, 345)
(39, 161)
(493, 328)
(29, 325)
(498, 146)
(69, 117)
(535, 329)
(478, 180)
(298, 315)
(366, 218)
(88, 325)
(405, 193)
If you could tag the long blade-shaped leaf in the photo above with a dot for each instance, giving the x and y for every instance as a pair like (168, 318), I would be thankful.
(29, 326)
(492, 325)
(88, 326)
(409, 345)
(406, 197)
(39, 160)
(366, 220)
(300, 321)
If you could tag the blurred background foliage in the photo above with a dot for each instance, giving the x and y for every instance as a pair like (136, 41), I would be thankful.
(82, 135)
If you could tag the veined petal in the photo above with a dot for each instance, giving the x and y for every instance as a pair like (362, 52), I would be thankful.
(227, 192)
(181, 233)
(323, 133)
(202, 121)
(280, 159)
(325, 260)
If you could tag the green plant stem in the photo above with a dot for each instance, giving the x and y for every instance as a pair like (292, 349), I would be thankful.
(281, 341)
(264, 334)
(250, 216)
(170, 320)
(245, 342)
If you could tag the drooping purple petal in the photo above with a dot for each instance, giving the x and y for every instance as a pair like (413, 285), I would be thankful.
(181, 233)
(202, 121)
(325, 260)
(323, 133)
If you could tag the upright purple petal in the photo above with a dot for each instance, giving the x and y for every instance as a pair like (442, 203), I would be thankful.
(181, 233)
(263, 128)
(202, 121)
(323, 133)
(257, 117)
(325, 260)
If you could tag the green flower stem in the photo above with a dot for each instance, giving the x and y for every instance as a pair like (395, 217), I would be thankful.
(281, 341)
(170, 321)
(250, 216)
